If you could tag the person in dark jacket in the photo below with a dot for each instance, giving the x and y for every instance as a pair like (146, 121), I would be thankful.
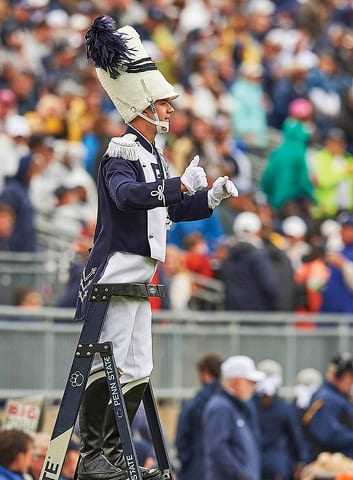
(189, 430)
(16, 195)
(328, 421)
(248, 275)
(283, 451)
(230, 443)
(337, 295)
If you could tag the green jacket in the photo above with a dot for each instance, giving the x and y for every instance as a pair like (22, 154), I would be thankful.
(286, 175)
(329, 176)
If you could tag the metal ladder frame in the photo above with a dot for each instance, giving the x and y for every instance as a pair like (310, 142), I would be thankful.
(87, 347)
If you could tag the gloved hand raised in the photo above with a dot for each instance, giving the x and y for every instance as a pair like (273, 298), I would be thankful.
(194, 178)
(222, 188)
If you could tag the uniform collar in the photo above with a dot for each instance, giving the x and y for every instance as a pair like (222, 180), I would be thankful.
(150, 147)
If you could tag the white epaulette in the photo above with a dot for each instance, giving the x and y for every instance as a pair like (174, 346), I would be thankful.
(123, 147)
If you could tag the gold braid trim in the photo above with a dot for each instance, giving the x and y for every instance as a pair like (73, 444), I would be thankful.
(308, 415)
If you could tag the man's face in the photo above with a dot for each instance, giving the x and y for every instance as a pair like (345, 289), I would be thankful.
(347, 234)
(345, 383)
(164, 109)
(25, 459)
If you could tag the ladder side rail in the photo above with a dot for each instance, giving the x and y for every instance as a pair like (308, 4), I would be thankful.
(156, 430)
(73, 394)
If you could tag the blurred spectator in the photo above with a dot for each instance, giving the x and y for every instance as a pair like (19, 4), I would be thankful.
(229, 426)
(234, 161)
(7, 105)
(345, 118)
(295, 231)
(197, 257)
(68, 297)
(26, 297)
(248, 275)
(326, 86)
(329, 418)
(211, 229)
(15, 454)
(333, 176)
(177, 279)
(285, 179)
(16, 194)
(308, 380)
(189, 436)
(286, 88)
(7, 222)
(337, 296)
(249, 114)
(311, 278)
(283, 451)
(284, 273)
(71, 459)
(40, 446)
(14, 134)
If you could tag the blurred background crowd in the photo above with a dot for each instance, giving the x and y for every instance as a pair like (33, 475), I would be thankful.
(267, 99)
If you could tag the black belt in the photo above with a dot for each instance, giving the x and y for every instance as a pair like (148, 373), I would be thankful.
(102, 292)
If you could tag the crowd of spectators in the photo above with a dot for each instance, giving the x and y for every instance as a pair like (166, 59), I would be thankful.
(266, 98)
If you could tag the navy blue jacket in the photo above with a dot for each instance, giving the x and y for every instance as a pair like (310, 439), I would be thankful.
(336, 296)
(282, 439)
(230, 448)
(15, 194)
(134, 195)
(249, 279)
(189, 437)
(329, 421)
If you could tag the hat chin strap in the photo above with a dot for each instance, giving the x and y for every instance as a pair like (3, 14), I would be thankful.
(162, 126)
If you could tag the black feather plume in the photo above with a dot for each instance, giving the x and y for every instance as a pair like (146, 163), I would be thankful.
(106, 48)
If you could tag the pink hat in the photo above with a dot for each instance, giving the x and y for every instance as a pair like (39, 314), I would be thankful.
(300, 108)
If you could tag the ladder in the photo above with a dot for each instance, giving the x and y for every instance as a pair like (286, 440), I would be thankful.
(87, 347)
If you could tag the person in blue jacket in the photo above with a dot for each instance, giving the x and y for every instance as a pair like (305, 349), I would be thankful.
(189, 436)
(230, 443)
(328, 421)
(283, 450)
(337, 295)
(16, 449)
(137, 201)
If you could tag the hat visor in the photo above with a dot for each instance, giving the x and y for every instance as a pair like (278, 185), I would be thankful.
(255, 376)
(170, 98)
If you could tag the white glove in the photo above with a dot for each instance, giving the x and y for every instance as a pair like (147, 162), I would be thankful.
(194, 178)
(222, 188)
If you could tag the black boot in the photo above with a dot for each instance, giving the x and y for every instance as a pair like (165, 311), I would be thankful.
(93, 465)
(112, 444)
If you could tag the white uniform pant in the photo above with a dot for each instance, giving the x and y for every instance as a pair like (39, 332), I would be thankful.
(128, 322)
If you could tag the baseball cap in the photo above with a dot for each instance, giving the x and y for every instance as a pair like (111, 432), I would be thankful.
(241, 366)
(17, 126)
(343, 360)
(345, 219)
(246, 222)
(309, 376)
(294, 226)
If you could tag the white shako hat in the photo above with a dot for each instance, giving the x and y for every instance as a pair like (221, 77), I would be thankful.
(124, 68)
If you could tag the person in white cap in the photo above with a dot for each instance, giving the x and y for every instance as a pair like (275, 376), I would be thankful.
(283, 449)
(137, 201)
(229, 425)
(249, 277)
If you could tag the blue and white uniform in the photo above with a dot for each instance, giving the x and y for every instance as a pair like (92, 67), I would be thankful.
(137, 202)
